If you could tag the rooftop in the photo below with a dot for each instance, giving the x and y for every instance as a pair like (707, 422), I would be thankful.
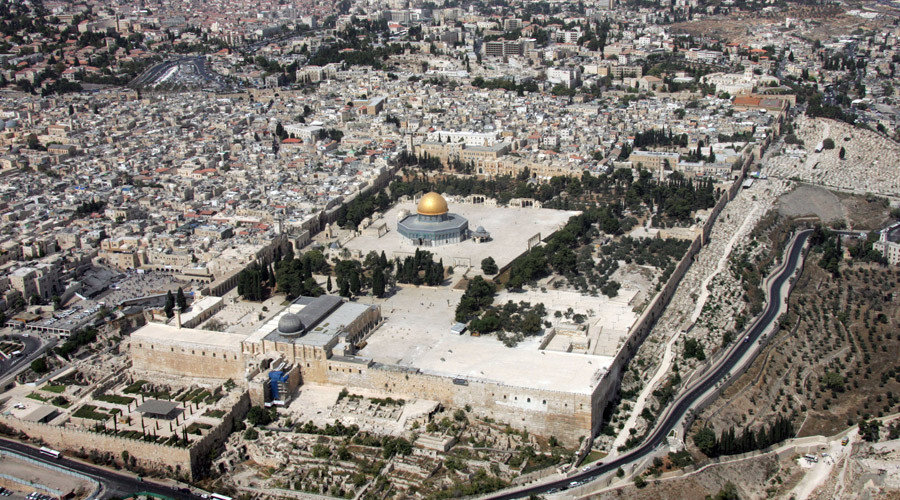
(165, 334)
(157, 407)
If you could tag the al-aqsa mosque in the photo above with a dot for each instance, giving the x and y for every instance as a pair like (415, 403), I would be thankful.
(433, 224)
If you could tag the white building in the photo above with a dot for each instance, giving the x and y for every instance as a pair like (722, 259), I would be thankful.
(470, 139)
(565, 76)
(889, 244)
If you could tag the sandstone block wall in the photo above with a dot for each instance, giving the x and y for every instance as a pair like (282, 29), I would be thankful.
(567, 416)
(192, 361)
(190, 461)
(149, 455)
(610, 384)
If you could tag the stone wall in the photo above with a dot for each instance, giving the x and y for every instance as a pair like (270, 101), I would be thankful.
(568, 416)
(150, 455)
(191, 461)
(642, 327)
(200, 449)
(187, 360)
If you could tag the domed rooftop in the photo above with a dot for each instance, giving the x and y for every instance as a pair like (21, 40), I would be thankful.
(290, 324)
(432, 204)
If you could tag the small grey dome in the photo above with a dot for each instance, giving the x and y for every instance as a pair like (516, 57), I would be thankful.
(290, 324)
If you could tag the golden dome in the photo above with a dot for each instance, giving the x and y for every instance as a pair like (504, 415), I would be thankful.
(432, 204)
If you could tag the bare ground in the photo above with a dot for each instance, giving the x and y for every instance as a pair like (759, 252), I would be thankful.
(752, 477)
(814, 202)
(811, 201)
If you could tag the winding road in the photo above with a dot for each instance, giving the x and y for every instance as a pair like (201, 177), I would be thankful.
(35, 347)
(115, 484)
(695, 393)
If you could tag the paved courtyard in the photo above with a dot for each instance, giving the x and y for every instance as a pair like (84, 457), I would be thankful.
(510, 230)
(417, 334)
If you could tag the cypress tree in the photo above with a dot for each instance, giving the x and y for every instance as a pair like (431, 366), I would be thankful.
(377, 282)
(181, 300)
(170, 304)
(355, 283)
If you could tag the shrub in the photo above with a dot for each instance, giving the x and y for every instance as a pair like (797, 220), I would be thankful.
(40, 365)
(640, 482)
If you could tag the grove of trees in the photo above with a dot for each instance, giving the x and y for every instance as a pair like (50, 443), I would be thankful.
(728, 443)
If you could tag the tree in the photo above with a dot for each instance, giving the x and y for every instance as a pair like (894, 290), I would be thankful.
(40, 365)
(705, 439)
(329, 286)
(181, 300)
(378, 282)
(355, 283)
(488, 266)
(258, 415)
(869, 430)
(842, 153)
(728, 492)
(479, 294)
(833, 381)
(693, 349)
(640, 482)
(170, 304)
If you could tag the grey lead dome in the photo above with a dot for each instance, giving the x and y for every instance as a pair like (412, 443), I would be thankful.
(289, 324)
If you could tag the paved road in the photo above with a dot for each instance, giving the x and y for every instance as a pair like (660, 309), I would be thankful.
(114, 484)
(34, 348)
(691, 397)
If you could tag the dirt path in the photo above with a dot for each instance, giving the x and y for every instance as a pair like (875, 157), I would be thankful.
(669, 352)
(723, 262)
(820, 472)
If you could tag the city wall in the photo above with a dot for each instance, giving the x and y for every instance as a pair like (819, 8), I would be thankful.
(642, 327)
(150, 455)
(187, 360)
(191, 461)
(566, 415)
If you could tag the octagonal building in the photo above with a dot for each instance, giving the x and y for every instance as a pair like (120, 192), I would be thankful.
(433, 224)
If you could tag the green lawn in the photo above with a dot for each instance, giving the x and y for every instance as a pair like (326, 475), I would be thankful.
(37, 396)
(87, 411)
(196, 427)
(135, 387)
(593, 456)
(57, 389)
(115, 399)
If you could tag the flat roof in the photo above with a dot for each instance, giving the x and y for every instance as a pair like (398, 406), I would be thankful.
(41, 413)
(486, 359)
(417, 336)
(157, 407)
(199, 306)
(165, 334)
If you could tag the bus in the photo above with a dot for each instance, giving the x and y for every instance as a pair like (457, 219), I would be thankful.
(50, 452)
(219, 497)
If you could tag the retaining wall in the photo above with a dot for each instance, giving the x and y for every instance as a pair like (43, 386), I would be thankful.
(654, 310)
